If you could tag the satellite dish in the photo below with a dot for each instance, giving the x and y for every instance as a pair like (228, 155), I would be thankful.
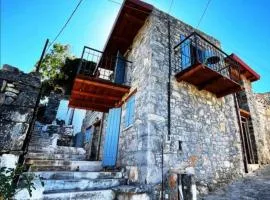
(211, 57)
(212, 60)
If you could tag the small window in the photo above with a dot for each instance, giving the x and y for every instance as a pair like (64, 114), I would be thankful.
(129, 119)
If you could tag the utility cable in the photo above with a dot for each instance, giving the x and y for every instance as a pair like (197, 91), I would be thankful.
(62, 29)
(206, 7)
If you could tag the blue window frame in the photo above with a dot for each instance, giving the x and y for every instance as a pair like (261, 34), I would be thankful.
(130, 108)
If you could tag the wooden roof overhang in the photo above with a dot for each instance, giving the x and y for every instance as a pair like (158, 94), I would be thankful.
(96, 94)
(92, 93)
(204, 78)
(245, 70)
(130, 19)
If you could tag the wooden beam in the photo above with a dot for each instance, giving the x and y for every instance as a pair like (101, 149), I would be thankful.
(183, 75)
(233, 89)
(96, 96)
(93, 103)
(126, 98)
(99, 109)
(102, 84)
(209, 82)
(133, 19)
(244, 113)
(120, 39)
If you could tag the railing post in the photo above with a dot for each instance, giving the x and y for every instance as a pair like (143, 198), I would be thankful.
(80, 65)
(196, 49)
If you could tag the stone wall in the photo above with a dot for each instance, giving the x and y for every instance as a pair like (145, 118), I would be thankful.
(258, 106)
(18, 95)
(204, 130)
(52, 107)
(263, 110)
(90, 119)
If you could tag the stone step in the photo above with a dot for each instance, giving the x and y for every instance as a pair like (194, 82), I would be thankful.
(131, 192)
(62, 165)
(54, 186)
(40, 137)
(58, 149)
(40, 143)
(66, 175)
(82, 195)
(46, 156)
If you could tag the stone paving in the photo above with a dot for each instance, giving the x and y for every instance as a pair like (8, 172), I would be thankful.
(255, 186)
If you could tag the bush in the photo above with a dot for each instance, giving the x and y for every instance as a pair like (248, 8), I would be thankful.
(8, 188)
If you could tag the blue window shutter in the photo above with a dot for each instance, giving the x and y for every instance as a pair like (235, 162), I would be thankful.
(127, 113)
(130, 108)
(119, 70)
(131, 112)
(185, 53)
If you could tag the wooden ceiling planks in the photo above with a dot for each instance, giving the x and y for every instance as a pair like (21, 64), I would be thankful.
(94, 94)
(205, 78)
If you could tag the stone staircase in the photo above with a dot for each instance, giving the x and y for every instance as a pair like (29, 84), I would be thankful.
(65, 173)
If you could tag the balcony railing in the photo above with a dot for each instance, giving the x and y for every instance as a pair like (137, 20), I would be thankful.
(100, 65)
(205, 65)
(100, 81)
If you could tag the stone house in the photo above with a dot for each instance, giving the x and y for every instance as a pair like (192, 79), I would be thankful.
(164, 96)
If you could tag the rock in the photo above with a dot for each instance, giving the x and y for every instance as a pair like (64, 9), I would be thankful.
(10, 68)
(12, 135)
(17, 114)
(10, 94)
(3, 84)
(9, 89)
(26, 99)
(2, 98)
(8, 100)
(10, 85)
(32, 80)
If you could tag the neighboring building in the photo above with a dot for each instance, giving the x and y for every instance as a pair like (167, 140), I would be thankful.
(171, 100)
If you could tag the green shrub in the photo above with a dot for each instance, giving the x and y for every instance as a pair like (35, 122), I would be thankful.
(7, 186)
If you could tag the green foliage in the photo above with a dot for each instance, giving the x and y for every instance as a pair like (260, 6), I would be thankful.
(7, 186)
(53, 62)
(52, 67)
(59, 68)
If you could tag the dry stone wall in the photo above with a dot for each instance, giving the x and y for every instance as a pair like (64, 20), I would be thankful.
(18, 95)
(259, 108)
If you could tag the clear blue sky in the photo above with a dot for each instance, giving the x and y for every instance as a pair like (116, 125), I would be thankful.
(242, 26)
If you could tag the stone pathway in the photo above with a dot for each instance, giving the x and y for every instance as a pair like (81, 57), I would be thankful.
(255, 186)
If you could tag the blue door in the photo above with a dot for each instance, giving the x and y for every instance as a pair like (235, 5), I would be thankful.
(79, 139)
(119, 70)
(111, 138)
(88, 135)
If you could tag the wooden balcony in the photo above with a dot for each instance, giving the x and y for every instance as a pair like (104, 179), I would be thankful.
(206, 66)
(97, 87)
(96, 94)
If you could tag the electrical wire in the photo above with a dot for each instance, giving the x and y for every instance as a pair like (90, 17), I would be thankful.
(170, 7)
(206, 7)
(62, 29)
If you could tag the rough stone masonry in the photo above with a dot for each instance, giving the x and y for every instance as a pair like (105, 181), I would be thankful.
(18, 95)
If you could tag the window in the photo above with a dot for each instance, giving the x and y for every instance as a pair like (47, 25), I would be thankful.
(129, 119)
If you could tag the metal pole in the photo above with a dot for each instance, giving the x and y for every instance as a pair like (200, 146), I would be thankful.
(42, 55)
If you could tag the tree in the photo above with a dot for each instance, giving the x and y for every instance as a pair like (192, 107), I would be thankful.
(52, 68)
(59, 68)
